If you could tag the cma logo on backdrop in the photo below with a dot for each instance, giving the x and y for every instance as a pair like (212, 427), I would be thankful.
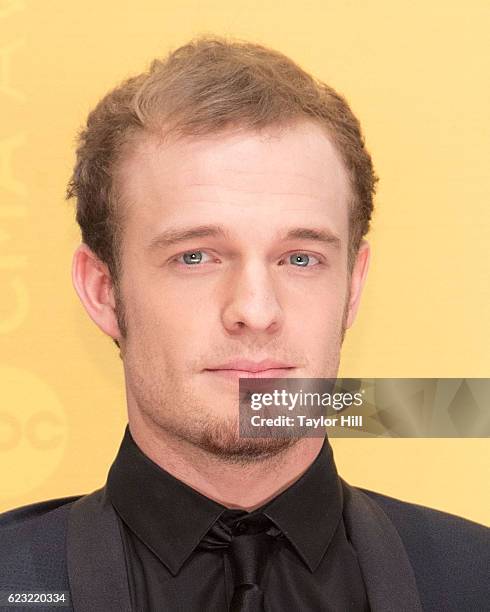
(33, 431)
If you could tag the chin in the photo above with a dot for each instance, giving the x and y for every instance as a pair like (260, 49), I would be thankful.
(222, 440)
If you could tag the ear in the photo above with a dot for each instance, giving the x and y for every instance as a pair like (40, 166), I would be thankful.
(93, 284)
(357, 280)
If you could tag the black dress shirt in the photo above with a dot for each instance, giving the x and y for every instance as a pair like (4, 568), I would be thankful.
(314, 568)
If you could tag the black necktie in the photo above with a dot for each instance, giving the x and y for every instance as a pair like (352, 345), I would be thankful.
(248, 543)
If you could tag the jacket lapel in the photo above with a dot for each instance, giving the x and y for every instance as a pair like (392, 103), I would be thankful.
(388, 574)
(95, 556)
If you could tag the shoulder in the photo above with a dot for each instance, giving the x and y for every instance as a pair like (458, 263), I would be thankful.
(450, 555)
(414, 521)
(38, 510)
(32, 542)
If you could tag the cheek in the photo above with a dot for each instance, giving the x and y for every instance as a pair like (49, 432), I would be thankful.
(170, 324)
(320, 308)
(319, 328)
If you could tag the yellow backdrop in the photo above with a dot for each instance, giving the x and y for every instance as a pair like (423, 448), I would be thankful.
(415, 74)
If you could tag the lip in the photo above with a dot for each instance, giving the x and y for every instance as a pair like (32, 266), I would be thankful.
(236, 374)
(244, 368)
(246, 365)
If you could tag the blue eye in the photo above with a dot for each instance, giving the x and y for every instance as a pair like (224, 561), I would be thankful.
(300, 259)
(192, 257)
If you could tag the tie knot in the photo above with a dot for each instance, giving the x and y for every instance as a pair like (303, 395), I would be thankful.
(234, 523)
(240, 522)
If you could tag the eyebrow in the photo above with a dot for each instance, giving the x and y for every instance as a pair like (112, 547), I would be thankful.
(174, 236)
(324, 236)
(170, 237)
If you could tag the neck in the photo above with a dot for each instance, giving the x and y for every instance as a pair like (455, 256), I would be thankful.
(246, 485)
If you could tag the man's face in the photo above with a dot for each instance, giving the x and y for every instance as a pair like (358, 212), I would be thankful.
(235, 248)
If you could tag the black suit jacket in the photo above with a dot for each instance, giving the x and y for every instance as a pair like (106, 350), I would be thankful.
(412, 558)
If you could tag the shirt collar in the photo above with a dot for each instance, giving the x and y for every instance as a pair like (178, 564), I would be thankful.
(171, 517)
(308, 512)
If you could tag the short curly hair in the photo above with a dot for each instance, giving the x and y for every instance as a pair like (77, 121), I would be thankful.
(205, 87)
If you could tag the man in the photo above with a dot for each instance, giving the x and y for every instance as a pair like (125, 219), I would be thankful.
(223, 199)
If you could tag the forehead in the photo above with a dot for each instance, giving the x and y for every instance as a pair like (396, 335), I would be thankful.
(271, 173)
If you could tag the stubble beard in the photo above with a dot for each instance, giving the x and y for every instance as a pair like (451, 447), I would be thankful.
(214, 435)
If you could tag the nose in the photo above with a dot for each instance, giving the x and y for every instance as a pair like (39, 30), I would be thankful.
(251, 304)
